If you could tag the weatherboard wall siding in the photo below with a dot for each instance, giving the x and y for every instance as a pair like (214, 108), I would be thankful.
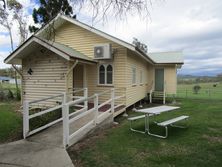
(49, 70)
(84, 41)
(47, 79)
(138, 91)
(170, 78)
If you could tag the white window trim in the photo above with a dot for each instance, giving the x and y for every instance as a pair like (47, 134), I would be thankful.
(133, 83)
(141, 77)
(105, 65)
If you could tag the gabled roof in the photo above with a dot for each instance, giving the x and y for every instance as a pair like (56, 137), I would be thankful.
(60, 19)
(34, 42)
(167, 57)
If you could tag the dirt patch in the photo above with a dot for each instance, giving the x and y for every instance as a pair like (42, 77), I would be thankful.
(214, 130)
(213, 139)
(173, 150)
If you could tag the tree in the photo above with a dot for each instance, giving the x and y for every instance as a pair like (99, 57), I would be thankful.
(20, 18)
(117, 8)
(141, 46)
(4, 4)
(49, 9)
(196, 89)
(7, 22)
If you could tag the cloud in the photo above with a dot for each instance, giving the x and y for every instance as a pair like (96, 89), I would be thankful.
(3, 55)
(191, 26)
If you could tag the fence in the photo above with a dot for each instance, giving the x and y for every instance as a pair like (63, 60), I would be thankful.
(201, 94)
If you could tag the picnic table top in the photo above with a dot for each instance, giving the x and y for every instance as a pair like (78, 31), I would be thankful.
(157, 110)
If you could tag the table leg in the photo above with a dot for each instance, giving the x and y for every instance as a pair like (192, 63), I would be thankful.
(148, 128)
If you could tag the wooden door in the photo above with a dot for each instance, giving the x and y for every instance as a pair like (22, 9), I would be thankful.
(159, 79)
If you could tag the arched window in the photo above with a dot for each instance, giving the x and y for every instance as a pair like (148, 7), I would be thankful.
(101, 74)
(106, 74)
(109, 74)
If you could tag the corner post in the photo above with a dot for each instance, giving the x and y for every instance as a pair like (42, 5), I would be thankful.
(96, 101)
(25, 119)
(65, 115)
(85, 96)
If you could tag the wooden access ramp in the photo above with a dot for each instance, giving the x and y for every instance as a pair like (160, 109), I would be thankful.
(79, 117)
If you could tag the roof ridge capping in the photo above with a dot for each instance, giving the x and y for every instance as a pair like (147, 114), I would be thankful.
(174, 51)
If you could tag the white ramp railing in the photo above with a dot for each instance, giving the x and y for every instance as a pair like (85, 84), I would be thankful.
(96, 116)
(27, 116)
(86, 118)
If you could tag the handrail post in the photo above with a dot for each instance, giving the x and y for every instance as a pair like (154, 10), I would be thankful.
(85, 96)
(65, 115)
(25, 119)
(96, 101)
(164, 93)
(164, 97)
(64, 99)
(151, 95)
(112, 101)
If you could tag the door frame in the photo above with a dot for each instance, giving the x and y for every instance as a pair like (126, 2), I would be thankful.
(84, 85)
(159, 68)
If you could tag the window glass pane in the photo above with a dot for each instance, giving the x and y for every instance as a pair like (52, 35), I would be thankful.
(141, 77)
(133, 75)
(102, 74)
(109, 76)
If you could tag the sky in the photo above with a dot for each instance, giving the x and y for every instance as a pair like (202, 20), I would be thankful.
(191, 26)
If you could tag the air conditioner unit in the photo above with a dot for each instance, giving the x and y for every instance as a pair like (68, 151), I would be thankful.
(102, 51)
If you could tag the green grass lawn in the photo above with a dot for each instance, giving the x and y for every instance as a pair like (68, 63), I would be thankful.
(10, 122)
(207, 91)
(199, 145)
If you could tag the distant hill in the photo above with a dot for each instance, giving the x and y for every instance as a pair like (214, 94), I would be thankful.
(189, 79)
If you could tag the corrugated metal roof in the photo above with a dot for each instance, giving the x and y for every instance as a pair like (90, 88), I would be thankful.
(167, 57)
(70, 51)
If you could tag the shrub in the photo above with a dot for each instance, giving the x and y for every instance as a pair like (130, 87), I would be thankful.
(2, 95)
(18, 94)
(44, 119)
(196, 89)
(10, 95)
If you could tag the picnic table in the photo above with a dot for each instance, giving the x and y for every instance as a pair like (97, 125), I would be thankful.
(153, 111)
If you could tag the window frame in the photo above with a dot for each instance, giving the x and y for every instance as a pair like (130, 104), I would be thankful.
(105, 65)
(134, 83)
(141, 77)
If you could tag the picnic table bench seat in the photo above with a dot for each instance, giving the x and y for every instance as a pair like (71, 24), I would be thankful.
(171, 122)
(136, 117)
(174, 120)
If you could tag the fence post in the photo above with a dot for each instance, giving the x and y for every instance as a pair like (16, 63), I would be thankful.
(85, 96)
(209, 93)
(25, 119)
(112, 101)
(96, 101)
(65, 115)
